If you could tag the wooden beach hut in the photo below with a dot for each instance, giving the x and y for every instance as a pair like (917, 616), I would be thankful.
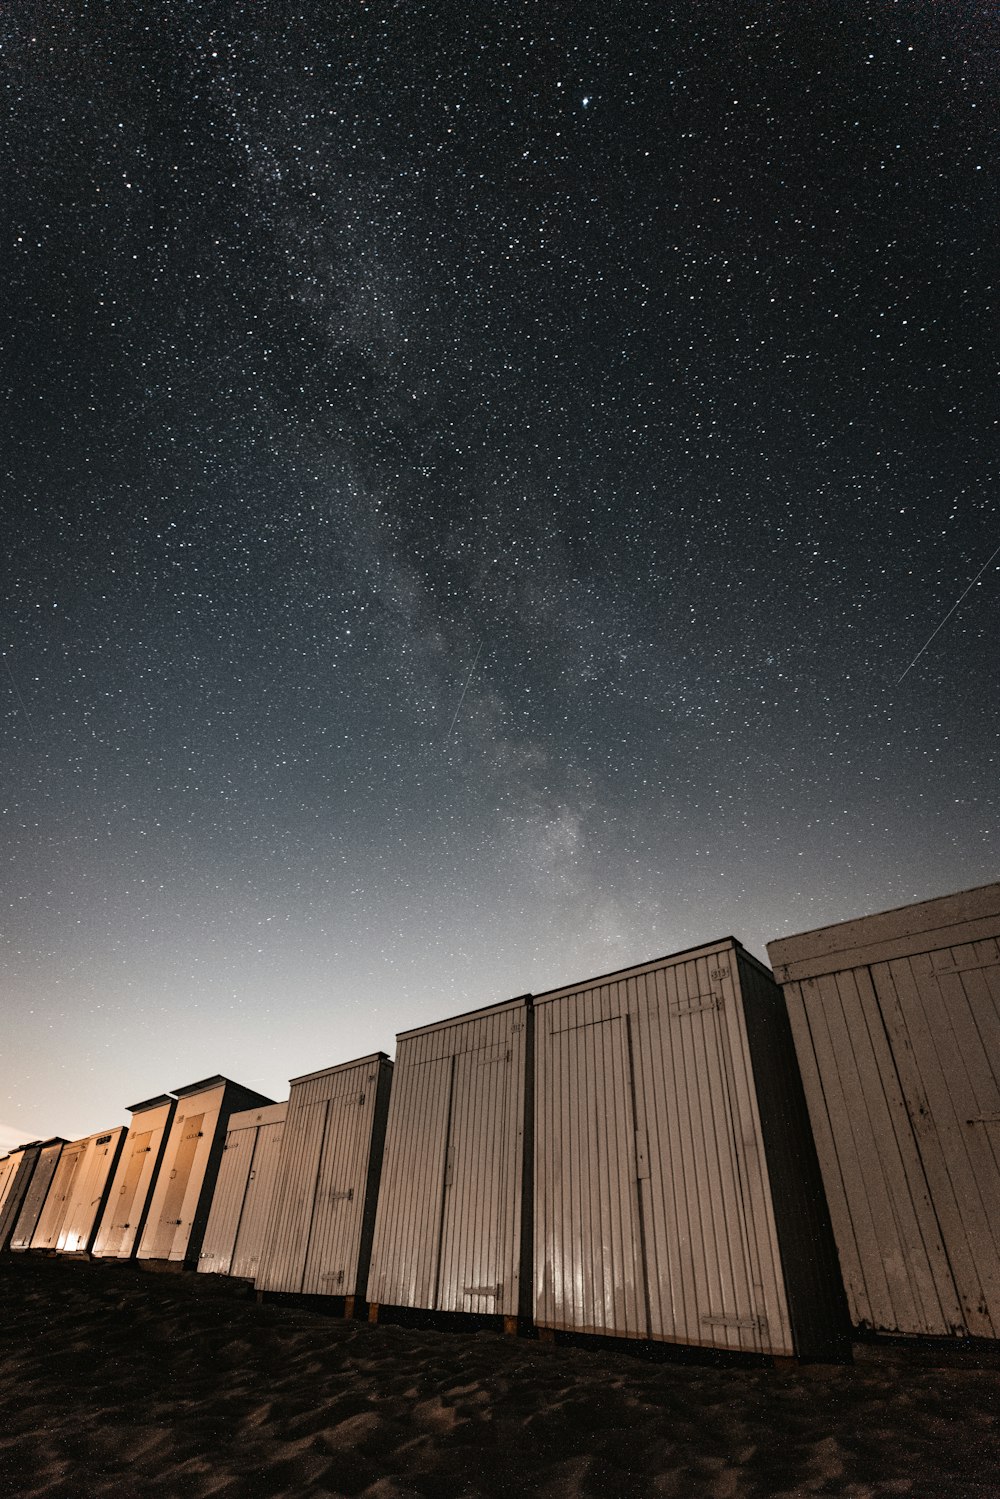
(124, 1215)
(241, 1203)
(34, 1198)
(182, 1193)
(676, 1190)
(450, 1232)
(896, 1018)
(318, 1240)
(16, 1171)
(77, 1193)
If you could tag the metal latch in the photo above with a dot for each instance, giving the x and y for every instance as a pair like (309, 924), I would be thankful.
(697, 1003)
(641, 1155)
(720, 1319)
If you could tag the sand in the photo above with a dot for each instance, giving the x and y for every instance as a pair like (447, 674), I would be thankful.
(114, 1382)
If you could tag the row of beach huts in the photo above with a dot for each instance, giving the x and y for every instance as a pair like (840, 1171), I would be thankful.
(692, 1150)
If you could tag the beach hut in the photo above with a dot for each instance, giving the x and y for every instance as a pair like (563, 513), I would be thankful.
(449, 1232)
(896, 1019)
(16, 1171)
(244, 1190)
(182, 1193)
(676, 1190)
(77, 1193)
(34, 1198)
(124, 1215)
(91, 1185)
(319, 1235)
(53, 1210)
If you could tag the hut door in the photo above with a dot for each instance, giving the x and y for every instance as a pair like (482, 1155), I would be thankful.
(589, 1267)
(340, 1198)
(227, 1201)
(64, 1183)
(119, 1208)
(477, 1218)
(287, 1242)
(943, 1021)
(703, 1284)
(257, 1205)
(178, 1175)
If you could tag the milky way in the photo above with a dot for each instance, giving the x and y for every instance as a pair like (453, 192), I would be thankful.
(474, 479)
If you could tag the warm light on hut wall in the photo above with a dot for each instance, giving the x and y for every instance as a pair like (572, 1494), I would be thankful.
(676, 1191)
(182, 1195)
(124, 1216)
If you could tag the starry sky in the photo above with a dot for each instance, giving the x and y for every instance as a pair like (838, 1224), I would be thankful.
(474, 479)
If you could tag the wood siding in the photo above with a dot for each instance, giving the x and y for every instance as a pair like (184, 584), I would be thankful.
(448, 1227)
(182, 1195)
(16, 1170)
(124, 1215)
(654, 1213)
(34, 1198)
(900, 1057)
(242, 1198)
(319, 1235)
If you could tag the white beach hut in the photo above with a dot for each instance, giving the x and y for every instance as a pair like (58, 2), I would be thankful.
(676, 1190)
(34, 1198)
(77, 1193)
(319, 1236)
(241, 1204)
(57, 1198)
(896, 1019)
(16, 1171)
(449, 1232)
(124, 1215)
(91, 1185)
(182, 1193)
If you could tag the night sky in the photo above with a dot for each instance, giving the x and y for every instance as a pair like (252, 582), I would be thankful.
(473, 480)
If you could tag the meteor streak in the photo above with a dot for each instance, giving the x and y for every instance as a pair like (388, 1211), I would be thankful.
(465, 690)
(951, 611)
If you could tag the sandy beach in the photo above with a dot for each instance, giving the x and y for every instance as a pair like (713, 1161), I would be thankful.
(118, 1383)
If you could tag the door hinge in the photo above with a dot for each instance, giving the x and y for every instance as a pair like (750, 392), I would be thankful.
(342, 1196)
(492, 1292)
